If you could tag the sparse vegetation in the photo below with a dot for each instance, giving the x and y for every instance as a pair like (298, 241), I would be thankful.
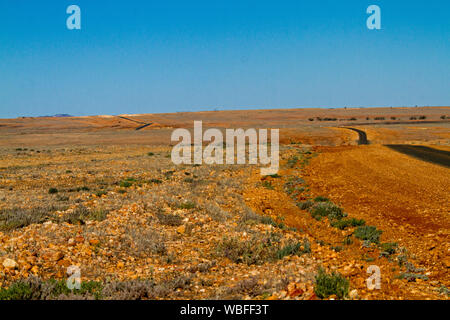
(168, 219)
(330, 284)
(187, 205)
(82, 214)
(305, 205)
(345, 223)
(34, 288)
(16, 218)
(267, 185)
(321, 199)
(369, 233)
(260, 250)
(326, 209)
(388, 248)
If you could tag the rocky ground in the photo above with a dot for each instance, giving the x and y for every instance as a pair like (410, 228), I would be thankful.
(139, 227)
(130, 219)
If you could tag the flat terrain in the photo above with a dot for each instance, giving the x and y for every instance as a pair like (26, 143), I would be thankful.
(102, 194)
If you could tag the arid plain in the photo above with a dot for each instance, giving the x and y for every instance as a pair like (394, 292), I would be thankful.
(102, 194)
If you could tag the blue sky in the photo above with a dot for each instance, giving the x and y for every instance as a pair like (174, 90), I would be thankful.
(168, 56)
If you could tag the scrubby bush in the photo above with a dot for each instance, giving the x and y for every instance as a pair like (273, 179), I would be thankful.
(368, 233)
(52, 191)
(326, 209)
(187, 205)
(330, 284)
(250, 216)
(411, 277)
(305, 205)
(155, 181)
(142, 241)
(345, 223)
(260, 250)
(82, 214)
(215, 212)
(168, 219)
(294, 248)
(292, 161)
(388, 248)
(101, 193)
(267, 185)
(34, 288)
(125, 184)
(321, 199)
(16, 218)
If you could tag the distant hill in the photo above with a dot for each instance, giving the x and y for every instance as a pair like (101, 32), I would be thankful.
(59, 115)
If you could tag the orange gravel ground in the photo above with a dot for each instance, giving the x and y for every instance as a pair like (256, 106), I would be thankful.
(407, 199)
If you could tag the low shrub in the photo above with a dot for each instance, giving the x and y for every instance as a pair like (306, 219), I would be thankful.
(16, 218)
(321, 199)
(305, 205)
(368, 233)
(34, 288)
(294, 248)
(326, 209)
(345, 223)
(82, 214)
(267, 185)
(388, 248)
(125, 184)
(168, 219)
(330, 284)
(187, 205)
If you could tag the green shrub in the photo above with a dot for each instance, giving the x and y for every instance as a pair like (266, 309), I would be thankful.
(267, 185)
(411, 277)
(125, 184)
(345, 223)
(150, 154)
(305, 205)
(347, 240)
(101, 193)
(187, 205)
(81, 214)
(52, 190)
(369, 233)
(388, 248)
(321, 199)
(292, 161)
(16, 218)
(34, 288)
(326, 209)
(294, 248)
(330, 284)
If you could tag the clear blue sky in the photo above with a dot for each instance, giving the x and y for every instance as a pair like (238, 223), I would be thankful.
(167, 56)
